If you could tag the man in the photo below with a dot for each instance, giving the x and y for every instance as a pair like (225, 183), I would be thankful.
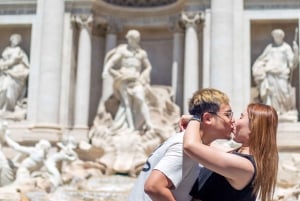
(169, 174)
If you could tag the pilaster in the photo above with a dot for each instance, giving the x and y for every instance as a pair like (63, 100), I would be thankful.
(191, 20)
(83, 76)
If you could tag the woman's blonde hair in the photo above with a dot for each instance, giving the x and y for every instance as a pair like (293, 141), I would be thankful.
(263, 123)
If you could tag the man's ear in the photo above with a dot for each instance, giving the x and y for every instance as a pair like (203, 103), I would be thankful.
(207, 118)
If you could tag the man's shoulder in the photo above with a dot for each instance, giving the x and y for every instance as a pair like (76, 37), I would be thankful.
(173, 140)
(177, 137)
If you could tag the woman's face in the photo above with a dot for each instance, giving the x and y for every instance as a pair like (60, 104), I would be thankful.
(242, 130)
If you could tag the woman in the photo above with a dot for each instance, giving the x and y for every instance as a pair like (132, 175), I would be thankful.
(245, 174)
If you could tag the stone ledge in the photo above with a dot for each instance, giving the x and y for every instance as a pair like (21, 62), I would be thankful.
(288, 136)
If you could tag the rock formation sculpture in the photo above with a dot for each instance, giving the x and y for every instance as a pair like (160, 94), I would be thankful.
(135, 117)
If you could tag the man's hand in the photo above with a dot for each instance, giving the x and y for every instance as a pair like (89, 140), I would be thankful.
(183, 121)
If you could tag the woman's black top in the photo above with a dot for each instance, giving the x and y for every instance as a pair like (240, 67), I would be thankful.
(211, 186)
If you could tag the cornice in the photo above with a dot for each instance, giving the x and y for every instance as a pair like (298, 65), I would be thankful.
(140, 3)
(17, 7)
(129, 12)
(271, 4)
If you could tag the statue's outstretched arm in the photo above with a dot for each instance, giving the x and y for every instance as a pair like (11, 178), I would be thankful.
(16, 146)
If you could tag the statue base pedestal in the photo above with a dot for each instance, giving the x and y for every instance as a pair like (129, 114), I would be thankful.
(290, 116)
(288, 136)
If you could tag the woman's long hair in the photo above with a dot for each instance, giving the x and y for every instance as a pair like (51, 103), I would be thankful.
(263, 122)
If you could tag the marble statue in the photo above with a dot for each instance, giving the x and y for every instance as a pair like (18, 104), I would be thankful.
(288, 185)
(81, 177)
(7, 175)
(136, 116)
(30, 158)
(14, 71)
(272, 73)
(130, 68)
(66, 153)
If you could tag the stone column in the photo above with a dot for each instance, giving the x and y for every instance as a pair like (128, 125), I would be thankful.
(107, 83)
(82, 96)
(68, 73)
(111, 38)
(241, 84)
(177, 65)
(35, 60)
(206, 49)
(191, 56)
(48, 103)
(298, 67)
(221, 56)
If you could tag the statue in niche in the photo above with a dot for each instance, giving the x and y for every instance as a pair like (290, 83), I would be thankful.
(14, 71)
(135, 117)
(272, 73)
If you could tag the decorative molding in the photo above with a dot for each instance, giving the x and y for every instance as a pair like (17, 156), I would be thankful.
(84, 21)
(17, 9)
(271, 4)
(105, 8)
(140, 3)
(192, 19)
(175, 25)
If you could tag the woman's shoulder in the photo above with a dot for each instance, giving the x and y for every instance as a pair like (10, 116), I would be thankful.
(247, 156)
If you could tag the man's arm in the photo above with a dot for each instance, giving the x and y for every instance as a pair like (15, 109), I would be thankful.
(158, 187)
(166, 175)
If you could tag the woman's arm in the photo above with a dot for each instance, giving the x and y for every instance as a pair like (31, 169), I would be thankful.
(236, 169)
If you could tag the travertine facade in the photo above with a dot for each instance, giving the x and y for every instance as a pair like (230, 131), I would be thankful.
(190, 43)
(217, 50)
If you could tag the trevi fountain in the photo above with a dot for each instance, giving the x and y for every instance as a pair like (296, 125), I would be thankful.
(89, 88)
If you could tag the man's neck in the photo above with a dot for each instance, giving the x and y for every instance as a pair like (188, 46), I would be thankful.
(204, 138)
